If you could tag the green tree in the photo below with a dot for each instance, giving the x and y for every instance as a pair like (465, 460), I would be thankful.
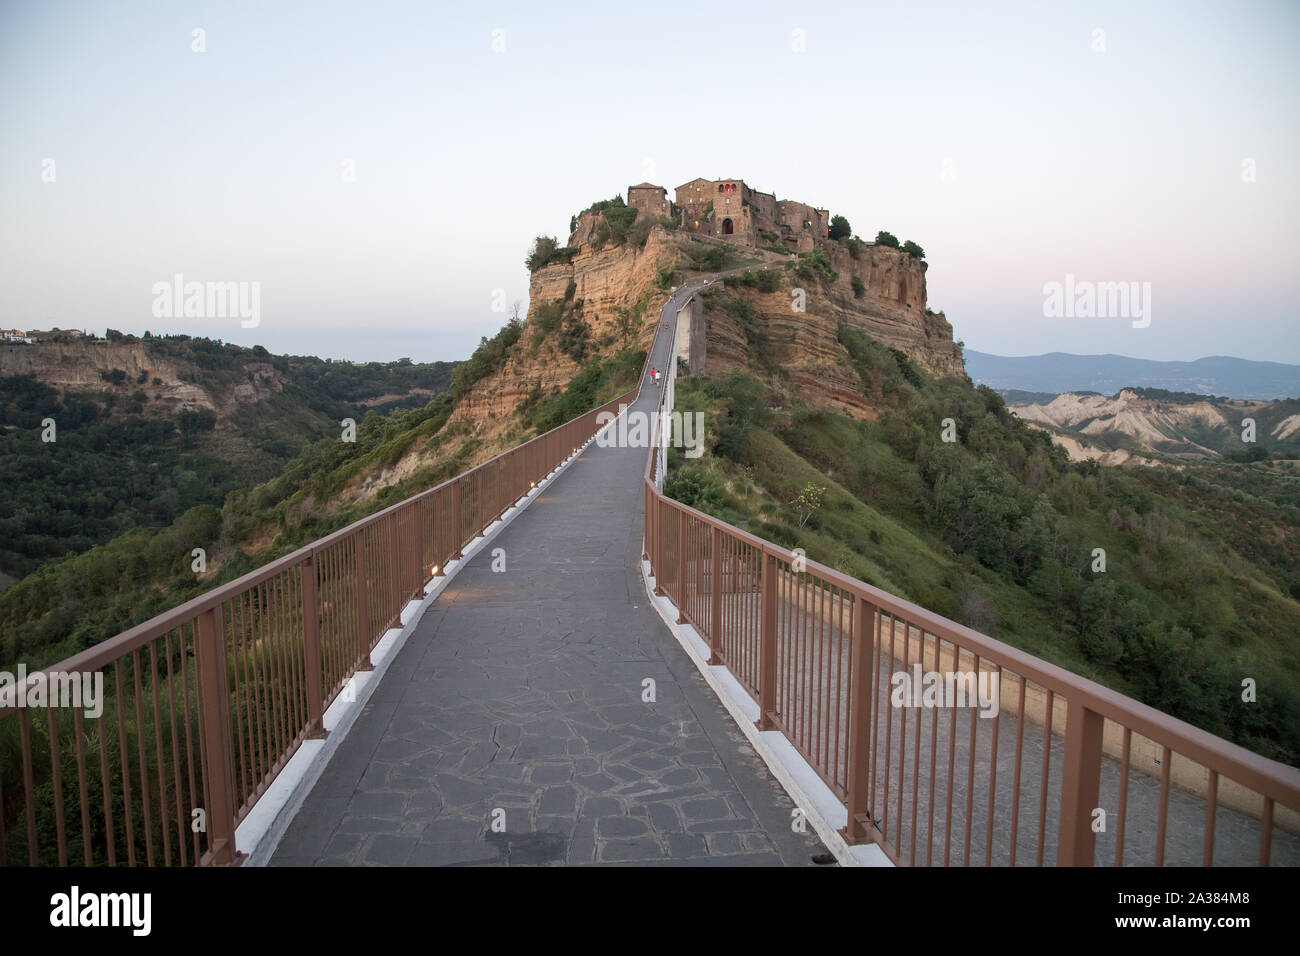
(840, 228)
(542, 252)
(913, 250)
(886, 239)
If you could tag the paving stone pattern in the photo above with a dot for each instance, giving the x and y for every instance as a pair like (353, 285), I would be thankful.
(518, 698)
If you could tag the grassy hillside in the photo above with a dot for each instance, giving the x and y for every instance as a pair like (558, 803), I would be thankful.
(997, 529)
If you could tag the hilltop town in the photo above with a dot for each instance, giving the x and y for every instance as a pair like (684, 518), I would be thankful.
(33, 336)
(730, 207)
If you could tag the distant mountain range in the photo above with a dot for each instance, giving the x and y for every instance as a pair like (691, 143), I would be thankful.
(1058, 372)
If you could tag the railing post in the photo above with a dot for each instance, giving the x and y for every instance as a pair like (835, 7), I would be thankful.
(715, 589)
(658, 565)
(311, 652)
(456, 536)
(1080, 784)
(394, 560)
(681, 566)
(767, 644)
(860, 704)
(363, 606)
(215, 696)
(645, 521)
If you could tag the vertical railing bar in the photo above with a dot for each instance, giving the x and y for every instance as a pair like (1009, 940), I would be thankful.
(843, 694)
(877, 652)
(902, 738)
(29, 787)
(189, 737)
(1211, 805)
(715, 596)
(292, 599)
(889, 729)
(1043, 781)
(106, 788)
(824, 678)
(176, 748)
(214, 697)
(1266, 832)
(144, 774)
(126, 765)
(78, 731)
(970, 764)
(1015, 781)
(1163, 818)
(164, 812)
(860, 743)
(1123, 797)
(993, 772)
(916, 753)
(240, 715)
(311, 643)
(952, 770)
(267, 680)
(934, 754)
(253, 688)
(56, 777)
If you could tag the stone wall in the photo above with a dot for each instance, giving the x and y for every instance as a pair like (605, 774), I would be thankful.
(650, 201)
(692, 338)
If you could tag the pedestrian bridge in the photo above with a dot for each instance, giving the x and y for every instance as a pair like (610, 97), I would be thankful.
(546, 661)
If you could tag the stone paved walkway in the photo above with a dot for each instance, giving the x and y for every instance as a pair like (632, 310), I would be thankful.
(519, 698)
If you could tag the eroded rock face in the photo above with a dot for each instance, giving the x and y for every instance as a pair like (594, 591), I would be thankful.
(893, 308)
(76, 366)
(616, 289)
(803, 347)
(619, 303)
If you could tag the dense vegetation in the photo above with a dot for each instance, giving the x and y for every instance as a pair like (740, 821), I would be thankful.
(125, 457)
(998, 530)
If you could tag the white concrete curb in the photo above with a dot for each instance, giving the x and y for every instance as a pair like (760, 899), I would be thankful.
(261, 831)
(808, 791)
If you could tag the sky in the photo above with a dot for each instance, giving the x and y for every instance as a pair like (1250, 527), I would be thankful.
(379, 170)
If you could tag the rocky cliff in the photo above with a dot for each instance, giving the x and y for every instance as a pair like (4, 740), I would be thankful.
(892, 308)
(77, 365)
(614, 294)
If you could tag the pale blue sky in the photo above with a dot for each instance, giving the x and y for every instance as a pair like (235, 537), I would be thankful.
(225, 166)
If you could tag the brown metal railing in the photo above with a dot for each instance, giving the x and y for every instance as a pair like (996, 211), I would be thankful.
(205, 704)
(822, 654)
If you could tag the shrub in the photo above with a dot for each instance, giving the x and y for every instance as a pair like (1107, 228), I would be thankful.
(859, 287)
(913, 250)
(886, 239)
(695, 487)
(546, 250)
(769, 280)
(488, 357)
(713, 258)
(547, 316)
(815, 263)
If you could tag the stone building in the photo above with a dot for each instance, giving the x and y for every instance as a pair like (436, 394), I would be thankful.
(729, 207)
(650, 200)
